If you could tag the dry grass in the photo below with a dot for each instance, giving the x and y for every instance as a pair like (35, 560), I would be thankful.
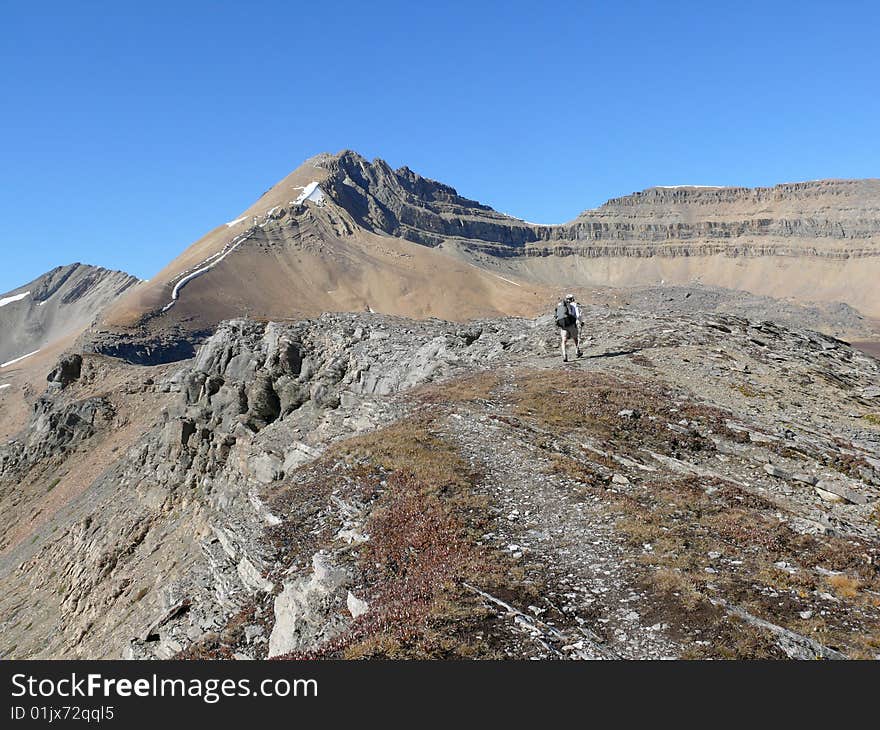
(677, 584)
(467, 389)
(682, 525)
(749, 531)
(577, 471)
(415, 562)
(640, 529)
(590, 403)
(801, 582)
(642, 361)
(748, 391)
(844, 586)
(424, 526)
(409, 446)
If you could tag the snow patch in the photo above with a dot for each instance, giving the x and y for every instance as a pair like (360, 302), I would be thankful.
(206, 265)
(13, 298)
(5, 385)
(235, 222)
(312, 192)
(18, 359)
(497, 276)
(507, 280)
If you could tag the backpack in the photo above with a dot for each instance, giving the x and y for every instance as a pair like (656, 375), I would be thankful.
(564, 317)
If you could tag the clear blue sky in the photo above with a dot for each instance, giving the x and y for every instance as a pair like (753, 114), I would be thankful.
(128, 129)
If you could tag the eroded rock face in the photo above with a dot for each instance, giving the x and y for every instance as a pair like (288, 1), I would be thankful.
(67, 371)
(402, 203)
(143, 347)
(53, 429)
(685, 219)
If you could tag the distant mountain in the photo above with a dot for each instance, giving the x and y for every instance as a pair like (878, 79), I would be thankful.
(61, 302)
(342, 233)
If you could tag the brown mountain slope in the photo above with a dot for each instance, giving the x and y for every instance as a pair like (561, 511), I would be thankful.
(287, 257)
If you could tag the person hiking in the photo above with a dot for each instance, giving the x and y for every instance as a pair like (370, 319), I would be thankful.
(568, 317)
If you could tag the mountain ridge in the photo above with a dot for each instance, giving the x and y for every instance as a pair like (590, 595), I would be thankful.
(702, 499)
(342, 233)
(56, 304)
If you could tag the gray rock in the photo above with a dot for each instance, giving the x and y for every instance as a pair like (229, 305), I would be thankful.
(252, 579)
(265, 467)
(834, 491)
(264, 405)
(67, 371)
(356, 607)
(306, 610)
(775, 471)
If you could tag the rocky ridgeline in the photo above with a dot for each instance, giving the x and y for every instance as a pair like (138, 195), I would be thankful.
(179, 516)
(817, 212)
(227, 525)
(799, 218)
(402, 203)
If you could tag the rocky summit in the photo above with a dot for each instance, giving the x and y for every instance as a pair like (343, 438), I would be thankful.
(360, 485)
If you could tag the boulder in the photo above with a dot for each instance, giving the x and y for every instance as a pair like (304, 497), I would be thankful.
(835, 491)
(252, 579)
(356, 606)
(264, 406)
(67, 371)
(307, 610)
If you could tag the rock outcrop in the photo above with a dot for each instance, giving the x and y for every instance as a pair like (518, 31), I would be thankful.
(179, 516)
(67, 371)
(834, 218)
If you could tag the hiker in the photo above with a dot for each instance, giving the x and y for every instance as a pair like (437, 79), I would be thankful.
(568, 317)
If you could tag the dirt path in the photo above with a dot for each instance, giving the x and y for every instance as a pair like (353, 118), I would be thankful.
(548, 521)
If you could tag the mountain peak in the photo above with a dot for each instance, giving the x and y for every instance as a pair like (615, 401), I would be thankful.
(61, 302)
